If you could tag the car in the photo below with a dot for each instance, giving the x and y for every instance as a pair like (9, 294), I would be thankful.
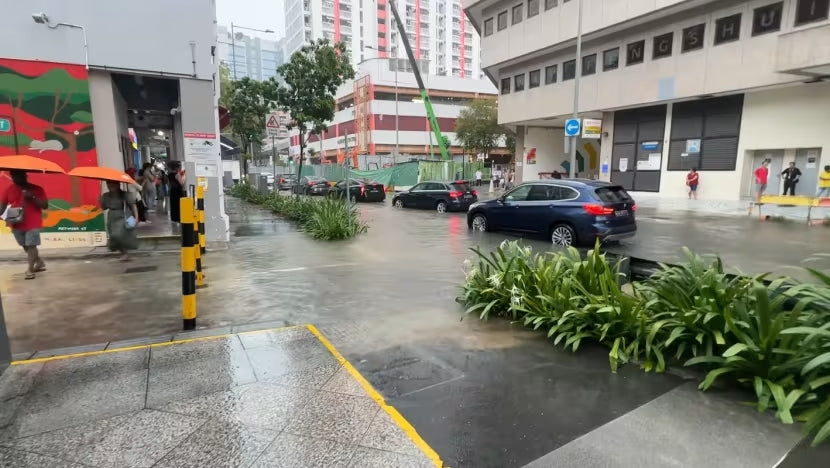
(361, 190)
(286, 181)
(439, 196)
(311, 185)
(567, 211)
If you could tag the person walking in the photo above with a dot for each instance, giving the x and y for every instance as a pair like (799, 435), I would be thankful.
(25, 203)
(761, 177)
(692, 181)
(478, 178)
(122, 217)
(791, 176)
(147, 177)
(824, 183)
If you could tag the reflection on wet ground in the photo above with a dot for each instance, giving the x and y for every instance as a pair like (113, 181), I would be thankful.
(482, 394)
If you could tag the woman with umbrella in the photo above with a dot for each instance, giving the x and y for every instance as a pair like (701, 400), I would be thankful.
(121, 207)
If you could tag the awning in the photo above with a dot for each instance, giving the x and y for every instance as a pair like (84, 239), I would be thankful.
(230, 150)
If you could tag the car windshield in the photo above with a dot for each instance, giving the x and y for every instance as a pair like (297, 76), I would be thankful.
(613, 194)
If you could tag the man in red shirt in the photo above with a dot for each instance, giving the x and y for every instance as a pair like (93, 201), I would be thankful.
(761, 176)
(32, 200)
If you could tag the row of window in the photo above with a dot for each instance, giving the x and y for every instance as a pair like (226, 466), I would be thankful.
(765, 20)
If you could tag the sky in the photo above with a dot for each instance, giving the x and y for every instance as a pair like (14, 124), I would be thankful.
(259, 14)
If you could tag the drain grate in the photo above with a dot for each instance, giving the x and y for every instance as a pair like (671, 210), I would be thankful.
(141, 269)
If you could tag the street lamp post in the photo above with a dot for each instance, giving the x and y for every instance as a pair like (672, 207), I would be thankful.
(233, 43)
(578, 71)
(41, 18)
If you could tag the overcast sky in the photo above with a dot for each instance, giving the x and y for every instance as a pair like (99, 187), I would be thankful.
(259, 14)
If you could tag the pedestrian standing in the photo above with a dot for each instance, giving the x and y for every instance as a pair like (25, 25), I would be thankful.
(122, 218)
(25, 203)
(692, 181)
(791, 176)
(478, 178)
(147, 180)
(761, 177)
(824, 183)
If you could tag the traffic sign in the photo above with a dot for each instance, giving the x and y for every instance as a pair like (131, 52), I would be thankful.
(272, 125)
(572, 127)
(5, 125)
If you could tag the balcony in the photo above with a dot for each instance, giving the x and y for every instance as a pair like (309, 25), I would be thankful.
(804, 52)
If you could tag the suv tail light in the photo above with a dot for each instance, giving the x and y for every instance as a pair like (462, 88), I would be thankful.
(456, 194)
(475, 193)
(310, 183)
(634, 207)
(597, 210)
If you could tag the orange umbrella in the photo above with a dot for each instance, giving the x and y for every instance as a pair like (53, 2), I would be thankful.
(22, 162)
(102, 173)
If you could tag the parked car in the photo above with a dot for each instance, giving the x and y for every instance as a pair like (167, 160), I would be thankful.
(568, 211)
(439, 196)
(287, 181)
(361, 190)
(312, 185)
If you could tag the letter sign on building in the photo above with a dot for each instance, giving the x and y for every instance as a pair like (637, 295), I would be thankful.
(767, 19)
(663, 45)
(635, 52)
(728, 29)
(693, 37)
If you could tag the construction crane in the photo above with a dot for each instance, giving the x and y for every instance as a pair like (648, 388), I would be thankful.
(433, 122)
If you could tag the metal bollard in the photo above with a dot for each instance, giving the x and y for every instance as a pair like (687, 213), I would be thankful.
(188, 265)
(200, 217)
(200, 277)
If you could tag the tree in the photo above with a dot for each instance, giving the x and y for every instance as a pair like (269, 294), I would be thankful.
(249, 104)
(225, 86)
(311, 77)
(477, 126)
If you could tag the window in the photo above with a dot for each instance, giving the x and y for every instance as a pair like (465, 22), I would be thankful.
(550, 4)
(663, 45)
(716, 123)
(488, 26)
(611, 59)
(520, 193)
(589, 64)
(809, 11)
(534, 79)
(635, 53)
(519, 82)
(693, 38)
(532, 8)
(502, 20)
(568, 70)
(517, 13)
(505, 85)
(728, 29)
(767, 19)
(550, 74)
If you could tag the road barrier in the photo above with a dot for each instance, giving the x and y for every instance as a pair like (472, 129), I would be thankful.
(188, 264)
(197, 251)
(200, 217)
(785, 200)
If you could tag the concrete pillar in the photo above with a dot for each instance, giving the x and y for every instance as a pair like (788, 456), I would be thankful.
(198, 115)
(520, 155)
(606, 149)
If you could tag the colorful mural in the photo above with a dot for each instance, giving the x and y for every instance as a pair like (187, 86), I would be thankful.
(589, 148)
(47, 112)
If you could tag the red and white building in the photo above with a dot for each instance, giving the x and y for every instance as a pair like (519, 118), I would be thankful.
(365, 119)
(439, 32)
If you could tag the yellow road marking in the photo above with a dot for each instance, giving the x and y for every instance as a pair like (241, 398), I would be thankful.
(399, 420)
(153, 345)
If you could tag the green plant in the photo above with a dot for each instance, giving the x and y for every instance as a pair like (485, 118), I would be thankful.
(332, 220)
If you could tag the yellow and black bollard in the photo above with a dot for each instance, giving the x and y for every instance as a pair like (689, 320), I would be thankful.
(188, 265)
(200, 277)
(200, 217)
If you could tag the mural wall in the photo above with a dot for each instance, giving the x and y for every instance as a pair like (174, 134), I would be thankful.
(45, 112)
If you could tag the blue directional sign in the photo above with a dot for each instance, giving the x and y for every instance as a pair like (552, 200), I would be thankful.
(572, 127)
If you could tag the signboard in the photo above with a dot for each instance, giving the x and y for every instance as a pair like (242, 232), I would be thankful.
(623, 164)
(274, 127)
(605, 168)
(207, 169)
(5, 125)
(650, 145)
(592, 129)
(650, 164)
(693, 146)
(200, 147)
(531, 156)
(572, 127)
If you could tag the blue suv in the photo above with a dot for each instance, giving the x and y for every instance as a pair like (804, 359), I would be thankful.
(567, 211)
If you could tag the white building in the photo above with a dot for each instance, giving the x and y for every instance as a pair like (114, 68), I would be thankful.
(717, 85)
(367, 110)
(439, 32)
(251, 56)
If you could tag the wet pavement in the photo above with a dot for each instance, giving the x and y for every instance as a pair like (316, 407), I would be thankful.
(481, 394)
(278, 398)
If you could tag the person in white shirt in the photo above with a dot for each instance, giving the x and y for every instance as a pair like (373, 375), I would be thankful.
(478, 178)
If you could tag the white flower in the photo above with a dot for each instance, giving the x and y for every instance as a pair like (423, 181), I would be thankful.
(515, 291)
(495, 280)
(467, 263)
(472, 273)
(515, 300)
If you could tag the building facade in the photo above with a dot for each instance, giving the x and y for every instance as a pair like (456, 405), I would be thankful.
(74, 91)
(716, 85)
(249, 56)
(365, 122)
(439, 32)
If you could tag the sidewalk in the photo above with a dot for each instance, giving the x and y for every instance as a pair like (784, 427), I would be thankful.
(268, 398)
(668, 205)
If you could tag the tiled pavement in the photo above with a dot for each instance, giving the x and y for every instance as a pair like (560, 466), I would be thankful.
(272, 398)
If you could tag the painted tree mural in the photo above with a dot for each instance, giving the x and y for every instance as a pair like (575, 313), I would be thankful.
(49, 107)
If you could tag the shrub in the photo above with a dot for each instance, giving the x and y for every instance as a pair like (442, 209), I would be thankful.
(771, 338)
